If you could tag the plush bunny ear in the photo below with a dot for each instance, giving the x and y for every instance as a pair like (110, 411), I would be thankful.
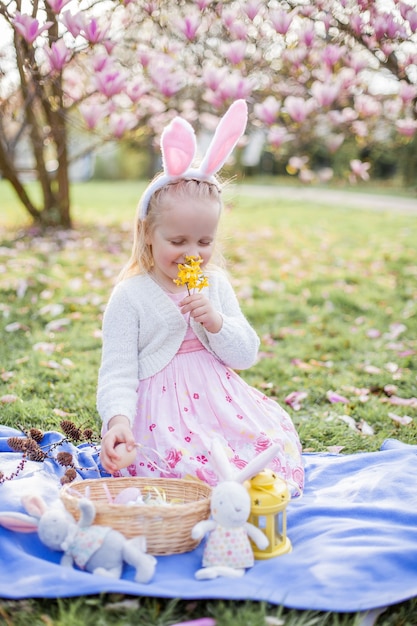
(225, 471)
(230, 129)
(257, 464)
(220, 463)
(178, 146)
(19, 522)
(34, 505)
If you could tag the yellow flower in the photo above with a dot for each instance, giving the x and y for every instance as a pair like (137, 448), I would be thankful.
(191, 274)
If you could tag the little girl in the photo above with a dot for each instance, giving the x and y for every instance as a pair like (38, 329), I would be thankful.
(167, 384)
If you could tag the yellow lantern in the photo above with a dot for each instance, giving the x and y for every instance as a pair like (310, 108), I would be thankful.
(269, 498)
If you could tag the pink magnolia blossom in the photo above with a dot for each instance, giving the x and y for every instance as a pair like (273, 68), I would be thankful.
(166, 79)
(234, 87)
(144, 57)
(238, 30)
(93, 113)
(349, 114)
(29, 27)
(229, 17)
(235, 52)
(411, 17)
(334, 141)
(360, 128)
(202, 4)
(281, 20)
(356, 24)
(120, 123)
(57, 5)
(73, 23)
(100, 62)
(359, 169)
(278, 135)
(406, 127)
(267, 111)
(151, 7)
(367, 106)
(295, 56)
(135, 91)
(307, 36)
(357, 63)
(110, 82)
(93, 33)
(407, 92)
(298, 108)
(332, 54)
(214, 76)
(252, 8)
(58, 55)
(189, 26)
(325, 93)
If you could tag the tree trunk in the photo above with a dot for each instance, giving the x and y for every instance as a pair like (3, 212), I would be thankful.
(43, 124)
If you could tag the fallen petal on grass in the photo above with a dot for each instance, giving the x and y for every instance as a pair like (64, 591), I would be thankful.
(404, 420)
(8, 399)
(295, 398)
(334, 397)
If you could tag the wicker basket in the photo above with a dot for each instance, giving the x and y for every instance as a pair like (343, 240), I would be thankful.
(167, 528)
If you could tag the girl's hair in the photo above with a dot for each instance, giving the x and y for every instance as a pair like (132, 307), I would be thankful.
(141, 260)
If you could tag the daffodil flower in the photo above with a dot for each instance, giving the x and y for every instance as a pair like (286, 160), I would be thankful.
(191, 274)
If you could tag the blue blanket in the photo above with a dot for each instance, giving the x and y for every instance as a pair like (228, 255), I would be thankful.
(354, 537)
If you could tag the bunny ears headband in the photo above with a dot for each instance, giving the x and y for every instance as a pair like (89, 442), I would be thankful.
(179, 146)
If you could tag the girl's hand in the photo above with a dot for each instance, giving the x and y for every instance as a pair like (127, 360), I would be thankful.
(118, 445)
(202, 311)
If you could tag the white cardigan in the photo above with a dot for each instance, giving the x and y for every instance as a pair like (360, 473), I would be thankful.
(143, 330)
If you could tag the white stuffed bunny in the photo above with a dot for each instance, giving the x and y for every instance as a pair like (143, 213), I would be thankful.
(228, 551)
(97, 549)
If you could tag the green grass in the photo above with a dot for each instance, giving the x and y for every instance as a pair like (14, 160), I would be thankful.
(331, 292)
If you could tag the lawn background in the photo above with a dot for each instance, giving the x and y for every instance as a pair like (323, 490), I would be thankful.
(331, 291)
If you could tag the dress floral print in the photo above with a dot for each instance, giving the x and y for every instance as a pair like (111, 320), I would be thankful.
(196, 398)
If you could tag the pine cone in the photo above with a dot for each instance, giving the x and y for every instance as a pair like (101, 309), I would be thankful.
(88, 434)
(69, 476)
(36, 434)
(36, 455)
(65, 459)
(71, 430)
(19, 444)
(32, 446)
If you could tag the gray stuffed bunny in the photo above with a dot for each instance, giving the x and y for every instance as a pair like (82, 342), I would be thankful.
(97, 549)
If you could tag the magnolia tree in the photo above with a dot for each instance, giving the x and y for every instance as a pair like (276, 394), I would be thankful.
(76, 73)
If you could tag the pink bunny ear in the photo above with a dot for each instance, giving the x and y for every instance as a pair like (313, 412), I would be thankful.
(230, 129)
(19, 522)
(178, 146)
(34, 505)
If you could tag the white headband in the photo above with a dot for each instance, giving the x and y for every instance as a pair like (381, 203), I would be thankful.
(179, 146)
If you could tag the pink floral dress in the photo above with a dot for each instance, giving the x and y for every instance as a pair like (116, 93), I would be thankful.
(197, 398)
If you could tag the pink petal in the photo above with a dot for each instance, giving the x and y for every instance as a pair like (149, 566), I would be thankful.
(334, 397)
